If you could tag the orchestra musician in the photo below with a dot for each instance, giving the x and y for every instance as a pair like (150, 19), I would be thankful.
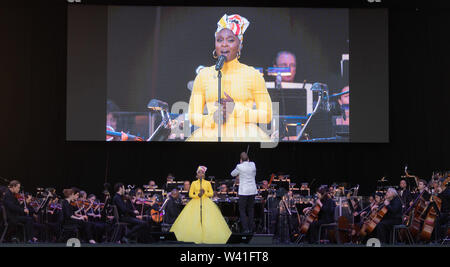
(246, 170)
(128, 215)
(325, 216)
(15, 213)
(404, 194)
(444, 214)
(152, 185)
(242, 87)
(173, 207)
(392, 217)
(71, 218)
(286, 59)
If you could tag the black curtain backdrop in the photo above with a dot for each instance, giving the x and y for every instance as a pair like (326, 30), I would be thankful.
(33, 111)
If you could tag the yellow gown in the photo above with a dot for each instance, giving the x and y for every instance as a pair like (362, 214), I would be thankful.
(213, 228)
(246, 86)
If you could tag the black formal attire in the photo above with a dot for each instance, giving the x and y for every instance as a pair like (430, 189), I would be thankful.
(86, 228)
(172, 210)
(444, 214)
(127, 215)
(406, 197)
(391, 218)
(15, 214)
(325, 216)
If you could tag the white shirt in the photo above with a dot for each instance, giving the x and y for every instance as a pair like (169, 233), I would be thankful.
(247, 172)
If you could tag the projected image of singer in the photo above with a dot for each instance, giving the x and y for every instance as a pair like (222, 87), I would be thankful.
(242, 86)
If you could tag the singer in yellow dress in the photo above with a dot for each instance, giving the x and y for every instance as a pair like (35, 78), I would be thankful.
(242, 86)
(204, 225)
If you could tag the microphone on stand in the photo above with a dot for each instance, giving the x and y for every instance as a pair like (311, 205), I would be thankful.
(219, 66)
(220, 61)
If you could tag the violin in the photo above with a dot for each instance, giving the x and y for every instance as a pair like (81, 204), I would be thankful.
(56, 206)
(19, 197)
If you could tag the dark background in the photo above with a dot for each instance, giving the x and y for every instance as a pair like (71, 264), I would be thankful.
(33, 114)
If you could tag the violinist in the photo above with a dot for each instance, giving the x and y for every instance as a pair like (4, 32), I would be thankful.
(127, 214)
(31, 204)
(70, 218)
(392, 217)
(15, 213)
(405, 195)
(94, 216)
(93, 210)
(325, 216)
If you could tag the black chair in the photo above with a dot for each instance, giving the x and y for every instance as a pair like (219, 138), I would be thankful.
(4, 223)
(447, 237)
(329, 226)
(7, 228)
(67, 230)
(118, 226)
(395, 231)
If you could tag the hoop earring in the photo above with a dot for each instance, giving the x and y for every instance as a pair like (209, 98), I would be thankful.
(214, 54)
(239, 54)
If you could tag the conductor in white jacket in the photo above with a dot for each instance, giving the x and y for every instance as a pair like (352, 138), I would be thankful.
(246, 171)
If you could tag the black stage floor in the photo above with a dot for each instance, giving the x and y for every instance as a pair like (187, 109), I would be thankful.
(186, 245)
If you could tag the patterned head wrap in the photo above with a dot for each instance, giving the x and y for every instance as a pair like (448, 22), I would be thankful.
(235, 23)
(202, 168)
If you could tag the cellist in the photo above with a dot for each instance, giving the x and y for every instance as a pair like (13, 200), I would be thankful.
(325, 216)
(444, 214)
(392, 217)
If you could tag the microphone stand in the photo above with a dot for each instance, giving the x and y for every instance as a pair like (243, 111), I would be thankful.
(201, 208)
(219, 76)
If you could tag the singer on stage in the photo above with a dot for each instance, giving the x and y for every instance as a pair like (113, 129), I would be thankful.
(201, 221)
(241, 87)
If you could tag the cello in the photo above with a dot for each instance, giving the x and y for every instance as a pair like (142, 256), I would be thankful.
(417, 219)
(430, 219)
(312, 216)
(373, 220)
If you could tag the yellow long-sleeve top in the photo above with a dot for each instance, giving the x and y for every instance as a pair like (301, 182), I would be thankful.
(195, 189)
(246, 86)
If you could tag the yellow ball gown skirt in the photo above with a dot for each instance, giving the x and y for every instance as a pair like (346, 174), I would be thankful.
(212, 229)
